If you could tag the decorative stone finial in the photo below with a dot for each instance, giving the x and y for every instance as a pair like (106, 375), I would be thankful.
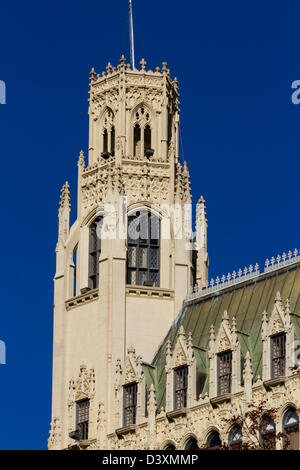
(143, 64)
(181, 331)
(175, 83)
(109, 68)
(121, 66)
(92, 75)
(164, 67)
(81, 162)
(131, 350)
(65, 195)
(278, 297)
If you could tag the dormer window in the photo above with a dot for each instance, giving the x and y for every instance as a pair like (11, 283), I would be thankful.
(82, 418)
(224, 372)
(180, 387)
(130, 401)
(278, 355)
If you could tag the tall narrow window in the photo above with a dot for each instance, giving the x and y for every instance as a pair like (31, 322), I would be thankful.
(291, 430)
(191, 444)
(278, 355)
(143, 249)
(147, 138)
(235, 438)
(105, 141)
(180, 387)
(94, 252)
(224, 372)
(82, 418)
(130, 400)
(267, 434)
(137, 141)
(213, 441)
(112, 143)
(75, 271)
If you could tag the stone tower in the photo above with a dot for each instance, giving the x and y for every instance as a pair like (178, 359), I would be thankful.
(112, 291)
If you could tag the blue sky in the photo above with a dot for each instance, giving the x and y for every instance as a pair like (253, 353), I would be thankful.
(235, 62)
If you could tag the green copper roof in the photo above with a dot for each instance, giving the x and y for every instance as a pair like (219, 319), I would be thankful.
(246, 302)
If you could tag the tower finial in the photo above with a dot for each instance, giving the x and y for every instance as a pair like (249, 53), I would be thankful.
(131, 35)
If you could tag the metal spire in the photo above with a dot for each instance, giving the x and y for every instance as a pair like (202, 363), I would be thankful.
(131, 36)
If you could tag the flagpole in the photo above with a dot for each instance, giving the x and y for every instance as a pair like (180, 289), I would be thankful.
(131, 36)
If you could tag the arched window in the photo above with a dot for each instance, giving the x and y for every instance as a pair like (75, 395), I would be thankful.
(213, 441)
(235, 438)
(108, 133)
(142, 133)
(105, 141)
(170, 447)
(224, 372)
(130, 404)
(291, 429)
(191, 444)
(94, 252)
(278, 355)
(267, 433)
(143, 250)
(75, 270)
(137, 141)
(147, 139)
(113, 140)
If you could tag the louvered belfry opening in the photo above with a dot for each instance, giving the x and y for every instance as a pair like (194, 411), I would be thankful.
(224, 372)
(180, 388)
(130, 402)
(278, 355)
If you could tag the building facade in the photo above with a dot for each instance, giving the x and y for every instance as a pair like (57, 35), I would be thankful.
(146, 353)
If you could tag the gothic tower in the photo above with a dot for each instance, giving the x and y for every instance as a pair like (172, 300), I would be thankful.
(115, 290)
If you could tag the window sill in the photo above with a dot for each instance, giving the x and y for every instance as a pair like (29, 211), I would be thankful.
(220, 399)
(89, 296)
(126, 430)
(154, 292)
(273, 382)
(83, 444)
(176, 413)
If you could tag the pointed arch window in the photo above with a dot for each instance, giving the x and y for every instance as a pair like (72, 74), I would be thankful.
(143, 249)
(278, 355)
(291, 429)
(224, 372)
(108, 133)
(130, 402)
(213, 441)
(75, 270)
(137, 141)
(235, 438)
(82, 418)
(180, 387)
(268, 433)
(94, 252)
(142, 133)
(191, 444)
